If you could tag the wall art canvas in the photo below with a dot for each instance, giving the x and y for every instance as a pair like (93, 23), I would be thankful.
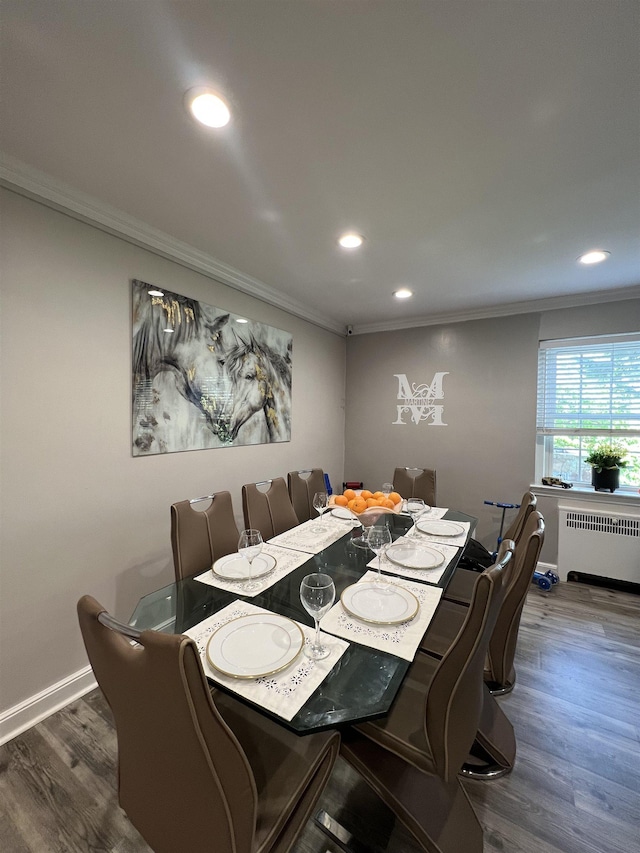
(203, 377)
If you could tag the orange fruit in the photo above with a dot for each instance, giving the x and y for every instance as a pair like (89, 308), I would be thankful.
(372, 502)
(351, 503)
(359, 505)
(366, 494)
(340, 500)
(349, 494)
(387, 503)
(378, 495)
(395, 497)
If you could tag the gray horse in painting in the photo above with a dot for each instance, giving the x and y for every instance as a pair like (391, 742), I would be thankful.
(178, 371)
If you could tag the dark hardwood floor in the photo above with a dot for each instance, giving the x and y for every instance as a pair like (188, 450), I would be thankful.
(575, 787)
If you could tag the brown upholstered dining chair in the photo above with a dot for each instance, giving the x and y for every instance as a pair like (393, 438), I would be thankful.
(271, 511)
(412, 757)
(194, 773)
(199, 537)
(416, 483)
(302, 487)
(499, 672)
(461, 585)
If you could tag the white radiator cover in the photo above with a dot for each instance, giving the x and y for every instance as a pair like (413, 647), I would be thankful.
(599, 541)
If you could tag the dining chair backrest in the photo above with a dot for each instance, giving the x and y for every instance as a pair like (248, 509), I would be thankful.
(270, 511)
(183, 778)
(302, 487)
(416, 483)
(455, 697)
(199, 537)
(502, 645)
(528, 504)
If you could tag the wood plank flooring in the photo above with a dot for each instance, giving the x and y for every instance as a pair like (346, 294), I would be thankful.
(575, 787)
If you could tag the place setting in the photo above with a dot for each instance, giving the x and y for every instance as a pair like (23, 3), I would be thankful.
(440, 530)
(384, 614)
(255, 567)
(410, 557)
(270, 659)
(315, 535)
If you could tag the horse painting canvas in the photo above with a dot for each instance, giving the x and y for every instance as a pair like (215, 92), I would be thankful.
(203, 377)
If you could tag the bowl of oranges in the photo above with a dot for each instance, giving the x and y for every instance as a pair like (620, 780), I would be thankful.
(364, 501)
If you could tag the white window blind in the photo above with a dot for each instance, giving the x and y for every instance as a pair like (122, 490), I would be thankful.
(589, 387)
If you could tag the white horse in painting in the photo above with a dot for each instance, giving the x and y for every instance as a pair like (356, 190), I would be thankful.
(261, 381)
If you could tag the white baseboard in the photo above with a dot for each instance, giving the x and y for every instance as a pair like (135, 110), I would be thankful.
(26, 714)
(547, 567)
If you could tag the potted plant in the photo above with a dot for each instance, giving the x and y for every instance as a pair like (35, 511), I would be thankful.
(606, 460)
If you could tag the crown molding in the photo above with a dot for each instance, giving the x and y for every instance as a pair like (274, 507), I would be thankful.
(29, 182)
(532, 306)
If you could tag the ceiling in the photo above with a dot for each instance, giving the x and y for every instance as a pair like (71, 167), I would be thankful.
(480, 147)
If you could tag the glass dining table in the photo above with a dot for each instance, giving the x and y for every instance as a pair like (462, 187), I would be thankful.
(362, 684)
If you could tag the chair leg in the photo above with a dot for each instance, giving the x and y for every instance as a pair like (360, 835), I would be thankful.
(494, 751)
(497, 689)
(437, 814)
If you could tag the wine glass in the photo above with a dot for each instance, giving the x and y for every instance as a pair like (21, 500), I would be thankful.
(415, 507)
(250, 545)
(317, 594)
(378, 539)
(387, 488)
(320, 503)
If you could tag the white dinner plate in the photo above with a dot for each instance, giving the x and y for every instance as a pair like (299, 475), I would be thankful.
(255, 645)
(235, 567)
(436, 527)
(414, 556)
(343, 513)
(389, 605)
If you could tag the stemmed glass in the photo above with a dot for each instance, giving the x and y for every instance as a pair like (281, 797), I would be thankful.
(387, 488)
(378, 539)
(320, 503)
(317, 594)
(415, 507)
(250, 545)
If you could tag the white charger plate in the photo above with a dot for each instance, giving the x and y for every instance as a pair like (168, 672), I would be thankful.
(389, 605)
(436, 527)
(414, 556)
(235, 567)
(255, 645)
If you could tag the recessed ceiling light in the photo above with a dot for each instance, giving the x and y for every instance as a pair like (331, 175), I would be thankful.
(207, 107)
(168, 331)
(403, 293)
(241, 320)
(595, 256)
(155, 293)
(351, 240)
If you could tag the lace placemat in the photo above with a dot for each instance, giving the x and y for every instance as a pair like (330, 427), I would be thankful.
(431, 576)
(286, 561)
(313, 536)
(283, 693)
(400, 640)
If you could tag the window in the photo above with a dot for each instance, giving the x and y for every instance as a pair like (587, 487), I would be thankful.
(588, 392)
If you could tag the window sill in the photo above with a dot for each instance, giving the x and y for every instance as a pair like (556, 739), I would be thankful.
(585, 493)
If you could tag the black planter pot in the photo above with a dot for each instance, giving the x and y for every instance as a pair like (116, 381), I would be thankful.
(606, 480)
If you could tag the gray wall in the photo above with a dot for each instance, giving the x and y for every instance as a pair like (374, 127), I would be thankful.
(78, 513)
(487, 449)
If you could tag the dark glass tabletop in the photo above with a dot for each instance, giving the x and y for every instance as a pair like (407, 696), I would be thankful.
(362, 684)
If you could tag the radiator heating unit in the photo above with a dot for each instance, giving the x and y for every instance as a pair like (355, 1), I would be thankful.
(598, 541)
